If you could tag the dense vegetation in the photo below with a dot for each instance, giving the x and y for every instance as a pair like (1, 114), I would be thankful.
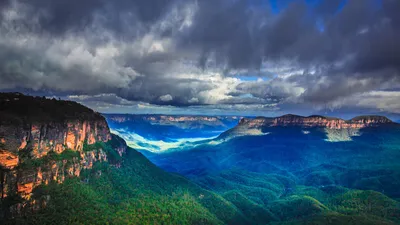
(140, 193)
(16, 107)
(278, 199)
(291, 177)
(27, 162)
(135, 193)
(286, 177)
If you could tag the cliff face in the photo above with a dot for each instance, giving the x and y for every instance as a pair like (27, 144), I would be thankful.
(37, 148)
(186, 122)
(333, 126)
(315, 121)
(53, 136)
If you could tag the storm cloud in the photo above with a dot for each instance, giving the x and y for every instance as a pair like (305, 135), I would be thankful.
(256, 55)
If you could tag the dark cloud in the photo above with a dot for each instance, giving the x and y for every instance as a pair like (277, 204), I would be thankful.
(379, 51)
(228, 31)
(184, 53)
(61, 16)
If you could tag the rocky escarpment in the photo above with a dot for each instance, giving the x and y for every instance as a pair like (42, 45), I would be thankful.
(315, 121)
(181, 121)
(167, 118)
(333, 126)
(44, 140)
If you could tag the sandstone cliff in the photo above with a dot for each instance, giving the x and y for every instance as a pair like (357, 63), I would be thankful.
(332, 126)
(44, 140)
(315, 121)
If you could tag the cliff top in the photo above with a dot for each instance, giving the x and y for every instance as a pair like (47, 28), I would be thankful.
(315, 120)
(382, 119)
(17, 107)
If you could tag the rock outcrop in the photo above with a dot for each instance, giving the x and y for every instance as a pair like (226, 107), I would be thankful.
(43, 140)
(331, 125)
(315, 121)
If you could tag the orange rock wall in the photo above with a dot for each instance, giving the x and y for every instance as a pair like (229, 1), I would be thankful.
(43, 138)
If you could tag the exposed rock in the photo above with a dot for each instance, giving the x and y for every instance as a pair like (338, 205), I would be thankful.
(336, 128)
(28, 134)
(8, 160)
(371, 120)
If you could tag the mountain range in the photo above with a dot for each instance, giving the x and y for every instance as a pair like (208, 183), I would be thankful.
(62, 163)
(172, 126)
(159, 133)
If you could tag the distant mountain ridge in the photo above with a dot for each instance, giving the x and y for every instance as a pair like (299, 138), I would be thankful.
(185, 121)
(155, 132)
(317, 121)
(258, 125)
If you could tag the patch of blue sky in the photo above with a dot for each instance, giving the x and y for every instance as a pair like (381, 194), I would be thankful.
(277, 6)
(248, 95)
(341, 6)
(274, 6)
(313, 3)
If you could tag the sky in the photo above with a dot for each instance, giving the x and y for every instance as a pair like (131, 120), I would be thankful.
(234, 57)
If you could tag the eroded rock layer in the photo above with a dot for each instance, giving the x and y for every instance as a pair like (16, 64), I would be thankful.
(43, 140)
(336, 128)
(315, 121)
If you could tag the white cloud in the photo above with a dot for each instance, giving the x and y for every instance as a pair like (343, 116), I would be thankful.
(155, 61)
(387, 101)
(166, 98)
(193, 100)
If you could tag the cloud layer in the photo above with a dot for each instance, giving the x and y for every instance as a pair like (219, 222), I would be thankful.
(206, 56)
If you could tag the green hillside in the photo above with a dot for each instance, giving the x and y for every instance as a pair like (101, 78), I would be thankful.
(136, 192)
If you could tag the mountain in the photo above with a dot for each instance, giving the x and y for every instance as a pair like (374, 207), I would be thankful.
(290, 142)
(61, 165)
(183, 121)
(306, 170)
(260, 125)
